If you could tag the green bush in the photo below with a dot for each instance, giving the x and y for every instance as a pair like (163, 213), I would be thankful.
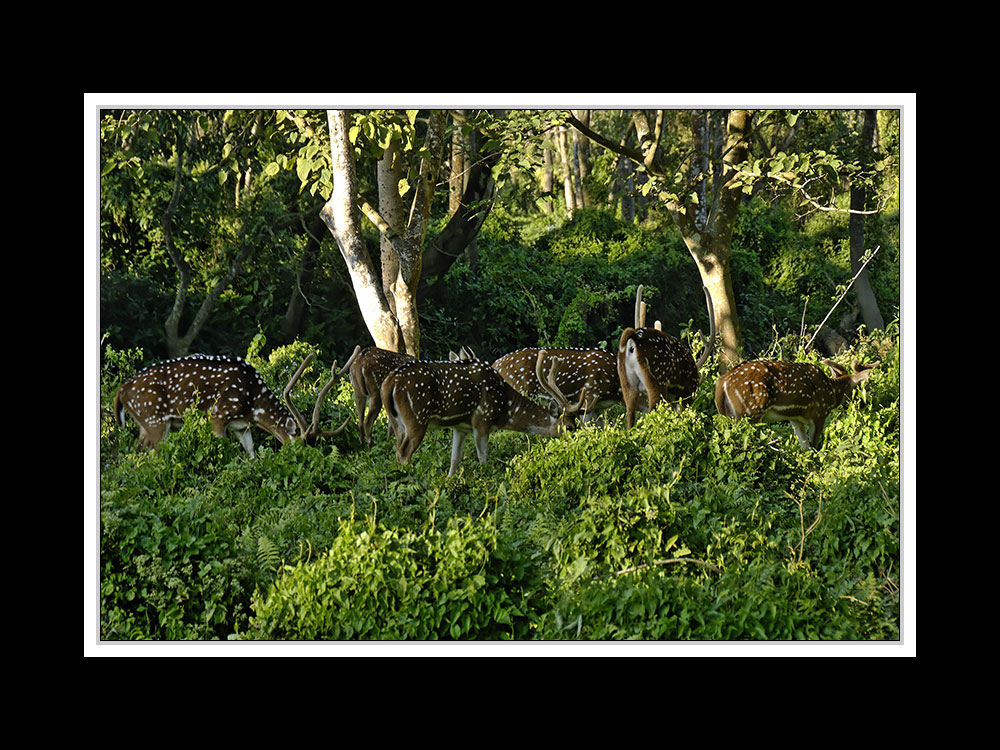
(375, 582)
(688, 526)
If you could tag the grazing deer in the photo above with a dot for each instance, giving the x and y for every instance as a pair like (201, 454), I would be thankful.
(467, 396)
(796, 392)
(230, 390)
(657, 365)
(369, 368)
(589, 376)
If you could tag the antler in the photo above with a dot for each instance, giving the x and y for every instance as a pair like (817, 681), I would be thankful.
(548, 383)
(311, 431)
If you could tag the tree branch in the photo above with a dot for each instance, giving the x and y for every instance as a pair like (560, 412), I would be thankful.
(840, 299)
(617, 148)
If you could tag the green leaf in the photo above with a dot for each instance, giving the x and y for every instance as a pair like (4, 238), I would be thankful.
(302, 169)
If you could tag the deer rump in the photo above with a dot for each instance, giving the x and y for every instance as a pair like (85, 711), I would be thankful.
(665, 369)
(456, 394)
(469, 397)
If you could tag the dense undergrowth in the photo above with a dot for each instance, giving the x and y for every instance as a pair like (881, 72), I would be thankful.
(687, 527)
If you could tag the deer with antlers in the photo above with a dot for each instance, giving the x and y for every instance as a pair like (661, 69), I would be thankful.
(470, 397)
(229, 389)
(656, 365)
(368, 369)
(589, 376)
(797, 392)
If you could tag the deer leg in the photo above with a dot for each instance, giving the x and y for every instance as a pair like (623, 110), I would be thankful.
(805, 432)
(240, 428)
(457, 441)
(816, 433)
(360, 401)
(631, 398)
(374, 406)
(150, 435)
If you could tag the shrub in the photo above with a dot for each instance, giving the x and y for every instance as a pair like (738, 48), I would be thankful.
(376, 582)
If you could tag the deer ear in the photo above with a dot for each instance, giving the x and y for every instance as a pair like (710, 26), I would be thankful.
(838, 370)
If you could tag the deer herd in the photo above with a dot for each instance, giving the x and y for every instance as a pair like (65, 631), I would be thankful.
(543, 391)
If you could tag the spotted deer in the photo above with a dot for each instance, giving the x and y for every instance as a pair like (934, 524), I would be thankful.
(589, 376)
(229, 389)
(797, 392)
(468, 396)
(658, 366)
(368, 369)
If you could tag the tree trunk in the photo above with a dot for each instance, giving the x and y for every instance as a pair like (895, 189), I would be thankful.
(178, 344)
(863, 291)
(456, 166)
(340, 214)
(409, 246)
(390, 207)
(464, 225)
(708, 229)
(567, 165)
(547, 182)
(581, 160)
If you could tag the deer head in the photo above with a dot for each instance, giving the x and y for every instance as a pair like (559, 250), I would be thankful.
(797, 392)
(230, 390)
(467, 396)
(589, 376)
(656, 365)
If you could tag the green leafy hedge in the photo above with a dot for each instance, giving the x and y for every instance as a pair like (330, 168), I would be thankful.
(463, 582)
(689, 526)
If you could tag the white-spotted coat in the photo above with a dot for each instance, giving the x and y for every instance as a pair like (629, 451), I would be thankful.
(797, 392)
(587, 375)
(468, 396)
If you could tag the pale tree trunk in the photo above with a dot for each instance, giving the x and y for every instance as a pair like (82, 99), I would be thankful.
(456, 166)
(547, 182)
(863, 291)
(708, 229)
(409, 246)
(562, 139)
(581, 160)
(463, 149)
(341, 216)
(389, 305)
(390, 206)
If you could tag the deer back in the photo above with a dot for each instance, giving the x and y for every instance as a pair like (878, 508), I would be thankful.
(372, 365)
(799, 392)
(588, 374)
(776, 389)
(227, 388)
(442, 393)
